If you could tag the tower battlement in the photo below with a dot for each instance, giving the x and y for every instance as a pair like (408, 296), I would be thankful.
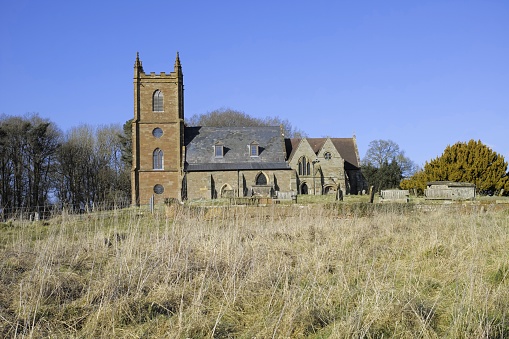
(160, 75)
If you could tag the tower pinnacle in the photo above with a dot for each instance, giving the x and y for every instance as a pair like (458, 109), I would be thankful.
(178, 66)
(137, 64)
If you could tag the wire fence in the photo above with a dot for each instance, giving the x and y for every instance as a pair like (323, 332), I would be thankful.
(36, 213)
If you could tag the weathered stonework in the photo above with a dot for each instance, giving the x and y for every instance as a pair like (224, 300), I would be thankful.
(211, 185)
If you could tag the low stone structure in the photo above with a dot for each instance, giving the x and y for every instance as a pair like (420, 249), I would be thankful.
(394, 196)
(285, 196)
(449, 190)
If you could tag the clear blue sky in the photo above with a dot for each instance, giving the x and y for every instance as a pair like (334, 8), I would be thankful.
(425, 74)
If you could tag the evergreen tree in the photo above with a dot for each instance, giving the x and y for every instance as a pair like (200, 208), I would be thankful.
(126, 143)
(471, 162)
(27, 161)
(387, 176)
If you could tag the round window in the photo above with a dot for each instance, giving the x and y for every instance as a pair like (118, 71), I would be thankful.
(327, 156)
(157, 132)
(158, 189)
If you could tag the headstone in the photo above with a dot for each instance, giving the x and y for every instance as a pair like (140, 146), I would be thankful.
(339, 194)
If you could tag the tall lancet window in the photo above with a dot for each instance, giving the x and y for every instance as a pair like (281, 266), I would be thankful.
(304, 167)
(157, 101)
(157, 159)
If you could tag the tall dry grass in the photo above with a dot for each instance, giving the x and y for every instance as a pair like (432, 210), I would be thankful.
(274, 272)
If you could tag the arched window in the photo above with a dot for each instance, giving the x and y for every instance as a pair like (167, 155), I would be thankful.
(157, 159)
(304, 166)
(227, 191)
(157, 101)
(261, 179)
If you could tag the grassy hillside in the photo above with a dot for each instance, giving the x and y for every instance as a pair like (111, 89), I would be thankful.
(322, 270)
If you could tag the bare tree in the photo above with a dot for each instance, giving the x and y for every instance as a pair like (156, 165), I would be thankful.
(91, 168)
(227, 117)
(383, 152)
(39, 165)
(114, 173)
(76, 167)
(380, 152)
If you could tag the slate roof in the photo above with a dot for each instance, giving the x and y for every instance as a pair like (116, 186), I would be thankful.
(200, 141)
(345, 146)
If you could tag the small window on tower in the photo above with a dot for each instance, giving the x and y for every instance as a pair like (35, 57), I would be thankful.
(158, 189)
(157, 132)
(157, 101)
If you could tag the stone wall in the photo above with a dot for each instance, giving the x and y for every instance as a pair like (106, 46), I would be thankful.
(170, 181)
(211, 185)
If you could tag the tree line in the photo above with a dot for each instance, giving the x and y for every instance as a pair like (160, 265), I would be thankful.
(40, 165)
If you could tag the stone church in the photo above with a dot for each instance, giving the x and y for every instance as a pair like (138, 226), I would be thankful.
(172, 160)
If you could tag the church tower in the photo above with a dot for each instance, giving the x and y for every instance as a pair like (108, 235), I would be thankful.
(158, 134)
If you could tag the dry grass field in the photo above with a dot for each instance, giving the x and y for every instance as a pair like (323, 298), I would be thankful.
(347, 270)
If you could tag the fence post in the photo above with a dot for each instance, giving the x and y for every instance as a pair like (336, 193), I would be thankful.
(371, 194)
